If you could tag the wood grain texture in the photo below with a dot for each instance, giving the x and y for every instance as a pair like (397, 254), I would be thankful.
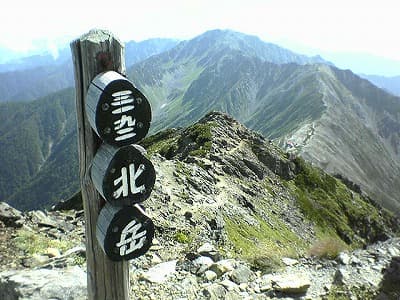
(93, 53)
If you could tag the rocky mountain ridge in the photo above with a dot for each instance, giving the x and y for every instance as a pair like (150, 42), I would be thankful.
(236, 218)
(329, 116)
(335, 119)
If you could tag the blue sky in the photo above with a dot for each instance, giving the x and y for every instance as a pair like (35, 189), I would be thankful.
(308, 26)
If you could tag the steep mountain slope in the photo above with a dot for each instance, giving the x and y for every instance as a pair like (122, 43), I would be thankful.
(37, 76)
(213, 66)
(38, 147)
(167, 77)
(358, 135)
(218, 164)
(304, 103)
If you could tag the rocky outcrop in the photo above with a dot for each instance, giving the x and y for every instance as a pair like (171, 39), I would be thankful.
(75, 202)
(62, 284)
(9, 215)
(361, 274)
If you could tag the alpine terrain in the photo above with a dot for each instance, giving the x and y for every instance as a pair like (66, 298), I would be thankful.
(236, 218)
(328, 116)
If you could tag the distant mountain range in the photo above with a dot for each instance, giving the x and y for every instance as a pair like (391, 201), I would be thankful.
(390, 84)
(332, 117)
(37, 60)
(37, 76)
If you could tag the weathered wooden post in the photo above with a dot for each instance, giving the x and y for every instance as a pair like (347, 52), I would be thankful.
(111, 110)
(93, 53)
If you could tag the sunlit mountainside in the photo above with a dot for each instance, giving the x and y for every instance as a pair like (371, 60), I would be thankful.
(331, 117)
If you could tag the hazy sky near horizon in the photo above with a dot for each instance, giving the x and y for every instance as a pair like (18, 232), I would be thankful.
(315, 26)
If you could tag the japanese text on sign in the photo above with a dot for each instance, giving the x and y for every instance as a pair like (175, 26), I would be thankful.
(123, 101)
(129, 181)
(135, 240)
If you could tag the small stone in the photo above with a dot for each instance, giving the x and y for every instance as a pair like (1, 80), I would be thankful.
(377, 267)
(53, 252)
(355, 261)
(202, 264)
(289, 261)
(243, 286)
(205, 248)
(291, 283)
(343, 258)
(209, 250)
(42, 219)
(210, 275)
(370, 260)
(155, 259)
(229, 285)
(266, 279)
(203, 260)
(265, 288)
(156, 247)
(265, 283)
(341, 276)
(78, 250)
(36, 260)
(233, 295)
(65, 283)
(160, 272)
(257, 289)
(241, 274)
(214, 291)
(393, 251)
(223, 266)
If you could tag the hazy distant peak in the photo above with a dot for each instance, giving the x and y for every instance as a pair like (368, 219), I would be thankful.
(250, 45)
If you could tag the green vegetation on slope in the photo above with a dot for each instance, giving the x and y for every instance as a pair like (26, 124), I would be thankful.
(263, 244)
(194, 141)
(337, 210)
(268, 214)
(38, 147)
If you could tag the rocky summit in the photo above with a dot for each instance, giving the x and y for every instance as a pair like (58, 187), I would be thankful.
(236, 218)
